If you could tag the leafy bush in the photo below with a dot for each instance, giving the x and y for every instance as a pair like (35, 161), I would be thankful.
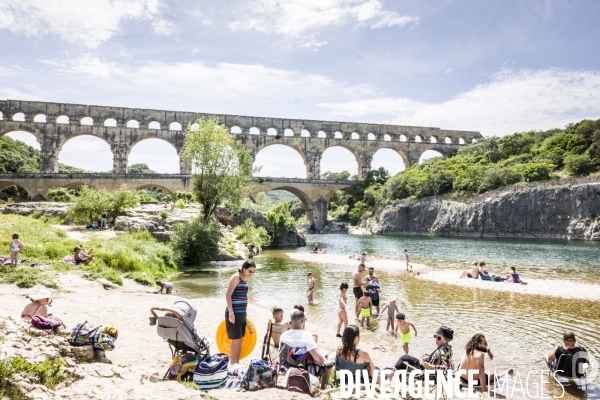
(195, 241)
(90, 203)
(357, 211)
(180, 204)
(61, 195)
(185, 196)
(579, 165)
(281, 221)
(249, 233)
(538, 172)
(49, 373)
(164, 214)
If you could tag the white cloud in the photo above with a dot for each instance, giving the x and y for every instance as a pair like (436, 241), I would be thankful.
(85, 22)
(314, 45)
(88, 64)
(195, 80)
(511, 101)
(295, 17)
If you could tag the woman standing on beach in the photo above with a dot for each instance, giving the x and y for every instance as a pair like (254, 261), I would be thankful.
(235, 314)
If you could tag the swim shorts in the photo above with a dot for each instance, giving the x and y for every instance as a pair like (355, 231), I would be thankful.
(375, 302)
(405, 337)
(358, 292)
(237, 330)
(469, 275)
(365, 312)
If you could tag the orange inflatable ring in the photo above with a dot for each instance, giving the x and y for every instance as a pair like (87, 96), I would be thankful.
(248, 342)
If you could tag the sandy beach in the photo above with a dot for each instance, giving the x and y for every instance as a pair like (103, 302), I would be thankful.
(546, 287)
(141, 357)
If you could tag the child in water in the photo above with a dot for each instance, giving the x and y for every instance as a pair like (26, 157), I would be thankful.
(404, 328)
(391, 310)
(167, 286)
(365, 305)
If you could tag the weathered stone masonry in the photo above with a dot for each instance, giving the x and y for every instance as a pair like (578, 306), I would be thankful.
(309, 138)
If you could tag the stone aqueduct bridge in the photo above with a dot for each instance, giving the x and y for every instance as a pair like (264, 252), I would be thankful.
(53, 124)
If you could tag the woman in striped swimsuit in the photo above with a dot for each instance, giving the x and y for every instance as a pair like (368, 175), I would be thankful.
(235, 314)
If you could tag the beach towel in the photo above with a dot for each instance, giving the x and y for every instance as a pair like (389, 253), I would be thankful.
(69, 259)
(6, 260)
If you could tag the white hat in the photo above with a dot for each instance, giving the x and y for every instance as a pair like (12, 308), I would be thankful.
(393, 298)
(42, 294)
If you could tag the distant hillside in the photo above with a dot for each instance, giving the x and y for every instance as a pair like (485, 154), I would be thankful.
(16, 156)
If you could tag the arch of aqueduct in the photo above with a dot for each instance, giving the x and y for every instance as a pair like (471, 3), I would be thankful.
(53, 124)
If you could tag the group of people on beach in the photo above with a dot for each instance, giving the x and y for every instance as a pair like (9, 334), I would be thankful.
(478, 271)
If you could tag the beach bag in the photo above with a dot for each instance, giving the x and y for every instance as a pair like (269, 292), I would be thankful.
(183, 367)
(211, 373)
(298, 380)
(49, 322)
(260, 375)
(86, 334)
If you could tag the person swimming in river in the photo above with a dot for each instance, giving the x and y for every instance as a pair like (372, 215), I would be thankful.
(391, 310)
(404, 327)
(318, 251)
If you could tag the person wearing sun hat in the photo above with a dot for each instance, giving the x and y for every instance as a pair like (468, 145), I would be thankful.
(440, 358)
(38, 305)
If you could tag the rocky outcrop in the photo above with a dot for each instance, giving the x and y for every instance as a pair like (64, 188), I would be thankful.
(331, 227)
(559, 212)
(82, 374)
(228, 217)
(47, 209)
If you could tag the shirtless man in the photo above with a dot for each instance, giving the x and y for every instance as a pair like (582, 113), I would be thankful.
(311, 288)
(358, 283)
(474, 359)
(473, 273)
(363, 258)
(365, 304)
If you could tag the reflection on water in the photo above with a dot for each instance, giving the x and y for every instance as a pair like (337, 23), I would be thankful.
(518, 328)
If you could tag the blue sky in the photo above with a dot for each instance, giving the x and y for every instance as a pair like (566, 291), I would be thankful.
(495, 66)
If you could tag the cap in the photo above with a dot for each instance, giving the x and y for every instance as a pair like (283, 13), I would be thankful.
(445, 332)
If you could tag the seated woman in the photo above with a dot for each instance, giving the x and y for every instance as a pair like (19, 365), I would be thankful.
(81, 258)
(440, 358)
(514, 276)
(349, 356)
(37, 305)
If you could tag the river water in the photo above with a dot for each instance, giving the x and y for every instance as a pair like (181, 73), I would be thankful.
(519, 328)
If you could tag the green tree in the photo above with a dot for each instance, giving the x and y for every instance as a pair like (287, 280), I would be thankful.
(538, 172)
(61, 195)
(123, 199)
(281, 221)
(195, 241)
(579, 165)
(221, 166)
(89, 204)
(249, 233)
(141, 168)
(336, 176)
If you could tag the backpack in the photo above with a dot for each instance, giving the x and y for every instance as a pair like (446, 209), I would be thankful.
(260, 375)
(49, 322)
(86, 334)
(211, 373)
(183, 367)
(298, 380)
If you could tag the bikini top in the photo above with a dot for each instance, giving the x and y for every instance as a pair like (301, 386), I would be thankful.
(31, 315)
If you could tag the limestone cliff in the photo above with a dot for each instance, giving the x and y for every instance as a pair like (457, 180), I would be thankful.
(560, 212)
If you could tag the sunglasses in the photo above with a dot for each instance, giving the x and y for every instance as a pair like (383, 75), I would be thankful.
(437, 337)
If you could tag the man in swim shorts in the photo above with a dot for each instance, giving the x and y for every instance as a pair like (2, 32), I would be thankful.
(358, 283)
(365, 304)
(403, 326)
(311, 288)
(473, 273)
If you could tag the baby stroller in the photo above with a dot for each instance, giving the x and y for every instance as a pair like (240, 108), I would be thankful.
(176, 326)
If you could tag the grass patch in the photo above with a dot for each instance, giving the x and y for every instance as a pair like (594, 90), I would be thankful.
(131, 255)
(49, 373)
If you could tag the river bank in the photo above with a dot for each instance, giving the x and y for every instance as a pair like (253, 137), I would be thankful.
(566, 289)
(550, 209)
(141, 357)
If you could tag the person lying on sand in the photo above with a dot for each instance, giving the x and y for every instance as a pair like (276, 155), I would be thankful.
(474, 359)
(317, 251)
(473, 273)
(486, 276)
